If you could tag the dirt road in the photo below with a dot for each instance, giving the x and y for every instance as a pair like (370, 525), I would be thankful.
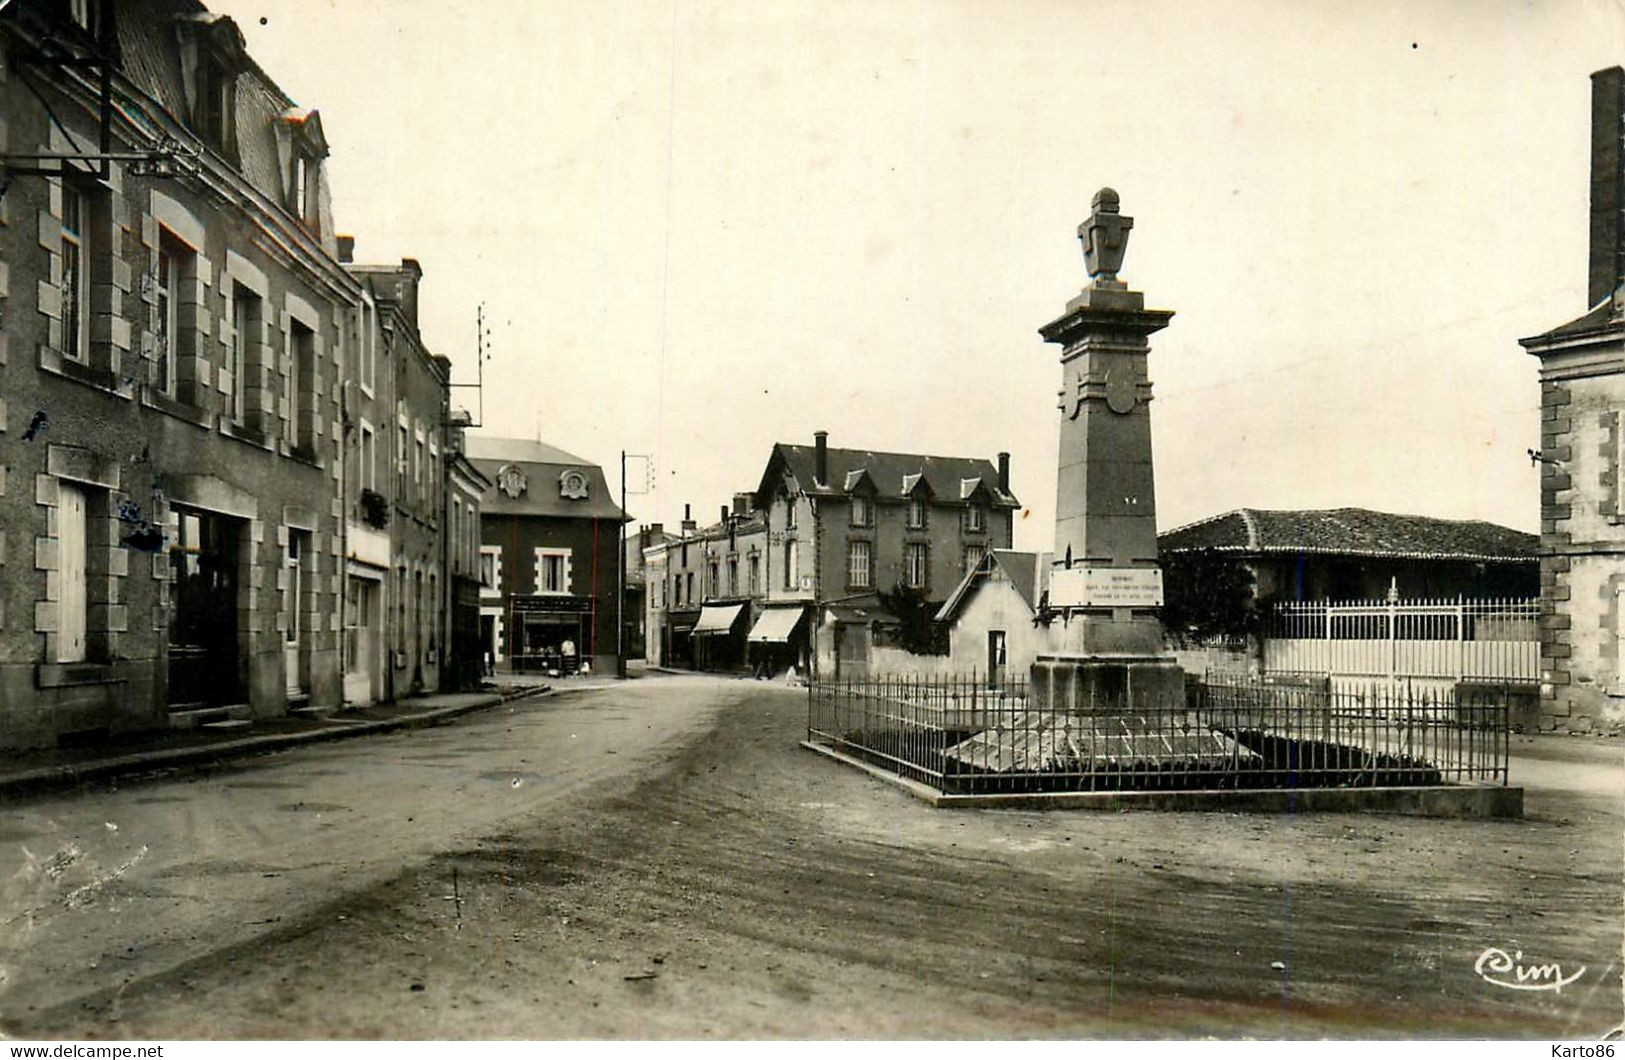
(730, 884)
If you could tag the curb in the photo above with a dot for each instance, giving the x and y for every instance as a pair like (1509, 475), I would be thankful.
(49, 778)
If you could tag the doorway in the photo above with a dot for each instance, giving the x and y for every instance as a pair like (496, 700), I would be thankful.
(203, 650)
(295, 665)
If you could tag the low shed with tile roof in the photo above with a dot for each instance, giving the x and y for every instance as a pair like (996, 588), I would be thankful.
(1357, 554)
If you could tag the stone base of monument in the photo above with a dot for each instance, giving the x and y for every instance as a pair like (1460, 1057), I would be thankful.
(1101, 715)
(1108, 684)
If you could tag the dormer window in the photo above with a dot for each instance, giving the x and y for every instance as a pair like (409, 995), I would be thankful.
(302, 147)
(217, 99)
(916, 513)
(861, 511)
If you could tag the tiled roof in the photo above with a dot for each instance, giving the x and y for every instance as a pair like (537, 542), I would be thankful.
(1352, 532)
(949, 478)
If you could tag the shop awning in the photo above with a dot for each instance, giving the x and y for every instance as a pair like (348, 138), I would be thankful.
(776, 625)
(717, 619)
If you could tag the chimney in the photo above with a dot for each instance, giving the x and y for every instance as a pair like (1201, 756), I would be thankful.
(821, 457)
(656, 529)
(346, 249)
(724, 514)
(1607, 262)
(688, 521)
(1004, 472)
(744, 503)
(411, 276)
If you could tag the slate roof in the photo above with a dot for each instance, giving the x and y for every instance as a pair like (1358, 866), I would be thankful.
(542, 465)
(1600, 320)
(1352, 532)
(1028, 573)
(950, 479)
(151, 60)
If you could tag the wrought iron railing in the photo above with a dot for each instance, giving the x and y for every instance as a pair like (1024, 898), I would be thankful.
(961, 735)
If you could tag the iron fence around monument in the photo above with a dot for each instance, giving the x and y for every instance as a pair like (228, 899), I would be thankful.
(969, 736)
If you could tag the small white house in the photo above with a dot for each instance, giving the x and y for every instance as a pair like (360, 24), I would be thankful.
(993, 612)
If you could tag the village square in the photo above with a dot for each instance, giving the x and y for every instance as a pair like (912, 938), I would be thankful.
(359, 678)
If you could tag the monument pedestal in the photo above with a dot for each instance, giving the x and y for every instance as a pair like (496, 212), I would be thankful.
(1120, 686)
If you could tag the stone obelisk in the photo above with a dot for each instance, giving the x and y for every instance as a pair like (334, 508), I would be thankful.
(1107, 651)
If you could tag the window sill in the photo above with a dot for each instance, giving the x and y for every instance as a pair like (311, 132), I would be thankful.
(245, 434)
(74, 674)
(169, 406)
(59, 364)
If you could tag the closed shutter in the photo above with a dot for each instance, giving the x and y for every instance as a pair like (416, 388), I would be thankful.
(70, 532)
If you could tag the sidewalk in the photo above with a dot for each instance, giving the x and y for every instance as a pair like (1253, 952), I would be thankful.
(48, 769)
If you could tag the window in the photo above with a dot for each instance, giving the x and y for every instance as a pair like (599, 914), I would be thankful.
(916, 514)
(419, 470)
(366, 350)
(677, 589)
(217, 90)
(175, 260)
(552, 570)
(733, 576)
(858, 574)
(975, 519)
(366, 457)
(753, 572)
(301, 426)
(688, 587)
(301, 187)
(490, 570)
(75, 272)
(789, 512)
(71, 555)
(246, 317)
(914, 565)
(973, 557)
(861, 511)
(789, 564)
(404, 447)
(713, 584)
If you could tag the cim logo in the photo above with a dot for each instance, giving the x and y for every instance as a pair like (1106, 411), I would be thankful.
(1498, 968)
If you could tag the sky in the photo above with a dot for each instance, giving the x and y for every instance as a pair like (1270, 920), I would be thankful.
(701, 228)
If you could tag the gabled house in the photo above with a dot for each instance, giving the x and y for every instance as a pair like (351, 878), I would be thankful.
(993, 615)
(845, 525)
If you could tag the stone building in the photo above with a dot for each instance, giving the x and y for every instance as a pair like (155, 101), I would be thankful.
(549, 532)
(1582, 449)
(170, 349)
(705, 588)
(844, 525)
(176, 519)
(640, 544)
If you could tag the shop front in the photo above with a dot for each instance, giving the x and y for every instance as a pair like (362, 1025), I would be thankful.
(550, 633)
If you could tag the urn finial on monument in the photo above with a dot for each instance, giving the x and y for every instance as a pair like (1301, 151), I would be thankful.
(1105, 239)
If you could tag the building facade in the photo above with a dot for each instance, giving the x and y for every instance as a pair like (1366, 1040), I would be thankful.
(846, 525)
(549, 539)
(177, 336)
(1582, 458)
(170, 349)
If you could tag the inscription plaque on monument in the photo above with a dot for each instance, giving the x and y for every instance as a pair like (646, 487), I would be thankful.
(1106, 587)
